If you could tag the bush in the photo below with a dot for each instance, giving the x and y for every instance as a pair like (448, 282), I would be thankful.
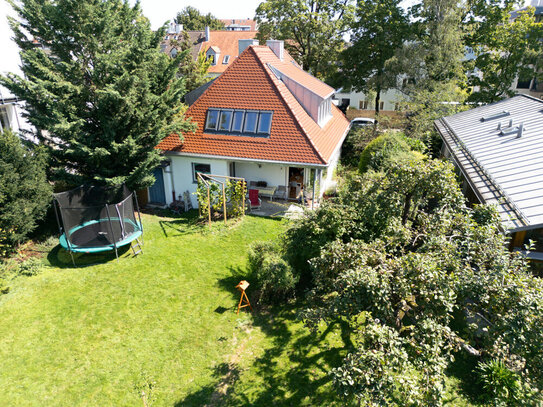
(30, 267)
(25, 193)
(381, 150)
(270, 273)
(354, 144)
(13, 268)
(502, 386)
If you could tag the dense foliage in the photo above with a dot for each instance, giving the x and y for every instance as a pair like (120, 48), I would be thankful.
(418, 277)
(379, 30)
(270, 274)
(97, 87)
(391, 146)
(312, 29)
(193, 20)
(194, 71)
(25, 193)
(511, 49)
(209, 194)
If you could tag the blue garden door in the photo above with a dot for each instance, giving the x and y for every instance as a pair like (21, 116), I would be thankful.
(156, 191)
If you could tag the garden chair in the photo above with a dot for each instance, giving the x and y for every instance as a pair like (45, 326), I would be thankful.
(281, 192)
(254, 201)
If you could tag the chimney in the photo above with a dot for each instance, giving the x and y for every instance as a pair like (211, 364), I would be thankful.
(207, 33)
(244, 44)
(277, 47)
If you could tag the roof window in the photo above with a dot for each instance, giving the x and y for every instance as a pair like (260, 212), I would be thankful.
(240, 122)
(226, 59)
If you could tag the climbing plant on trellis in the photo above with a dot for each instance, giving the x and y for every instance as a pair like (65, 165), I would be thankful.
(220, 193)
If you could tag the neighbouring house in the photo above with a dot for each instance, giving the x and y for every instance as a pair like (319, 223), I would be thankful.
(232, 24)
(264, 119)
(498, 149)
(390, 100)
(11, 110)
(221, 47)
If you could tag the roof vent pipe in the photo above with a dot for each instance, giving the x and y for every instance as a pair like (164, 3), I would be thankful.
(207, 33)
(277, 47)
(520, 130)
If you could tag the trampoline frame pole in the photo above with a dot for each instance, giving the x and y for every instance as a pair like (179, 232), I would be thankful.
(63, 229)
(139, 215)
(112, 234)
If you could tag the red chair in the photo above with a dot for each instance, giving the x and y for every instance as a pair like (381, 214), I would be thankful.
(254, 200)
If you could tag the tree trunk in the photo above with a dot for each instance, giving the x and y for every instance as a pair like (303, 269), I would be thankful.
(377, 101)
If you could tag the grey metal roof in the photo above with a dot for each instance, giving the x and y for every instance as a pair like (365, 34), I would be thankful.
(502, 160)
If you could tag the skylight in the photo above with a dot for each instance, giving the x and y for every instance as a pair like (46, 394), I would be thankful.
(226, 59)
(239, 122)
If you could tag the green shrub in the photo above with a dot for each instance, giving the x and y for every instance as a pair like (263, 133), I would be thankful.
(501, 386)
(354, 144)
(30, 267)
(25, 193)
(272, 276)
(381, 150)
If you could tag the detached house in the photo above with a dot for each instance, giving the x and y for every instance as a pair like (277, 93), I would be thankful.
(264, 119)
(498, 149)
(219, 46)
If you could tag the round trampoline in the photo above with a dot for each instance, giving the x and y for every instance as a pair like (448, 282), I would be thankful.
(97, 219)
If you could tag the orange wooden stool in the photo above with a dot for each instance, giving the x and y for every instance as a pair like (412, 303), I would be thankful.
(244, 300)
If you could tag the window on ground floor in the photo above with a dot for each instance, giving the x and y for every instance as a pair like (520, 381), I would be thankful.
(200, 168)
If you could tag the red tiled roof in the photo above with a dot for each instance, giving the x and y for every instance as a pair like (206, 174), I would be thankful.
(227, 42)
(250, 84)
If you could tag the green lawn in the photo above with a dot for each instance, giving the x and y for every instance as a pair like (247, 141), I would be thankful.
(97, 335)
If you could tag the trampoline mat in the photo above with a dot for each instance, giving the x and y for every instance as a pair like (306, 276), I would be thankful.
(99, 233)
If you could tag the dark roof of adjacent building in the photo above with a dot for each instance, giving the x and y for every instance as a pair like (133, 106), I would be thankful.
(499, 148)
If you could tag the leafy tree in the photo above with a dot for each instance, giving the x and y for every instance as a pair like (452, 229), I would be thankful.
(378, 32)
(193, 20)
(25, 193)
(386, 148)
(98, 89)
(417, 289)
(510, 50)
(312, 30)
(440, 43)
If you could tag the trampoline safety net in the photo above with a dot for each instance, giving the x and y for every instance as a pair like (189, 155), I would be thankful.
(97, 218)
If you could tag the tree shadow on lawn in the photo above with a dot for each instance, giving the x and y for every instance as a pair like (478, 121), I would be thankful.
(60, 258)
(291, 372)
(463, 368)
(183, 224)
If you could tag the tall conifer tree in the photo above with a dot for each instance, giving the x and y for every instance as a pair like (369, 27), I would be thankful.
(97, 88)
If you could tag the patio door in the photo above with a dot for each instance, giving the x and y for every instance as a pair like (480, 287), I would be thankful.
(295, 182)
(157, 194)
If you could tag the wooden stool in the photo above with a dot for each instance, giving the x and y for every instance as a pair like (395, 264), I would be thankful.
(242, 286)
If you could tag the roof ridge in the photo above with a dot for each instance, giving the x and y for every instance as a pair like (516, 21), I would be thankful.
(271, 75)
